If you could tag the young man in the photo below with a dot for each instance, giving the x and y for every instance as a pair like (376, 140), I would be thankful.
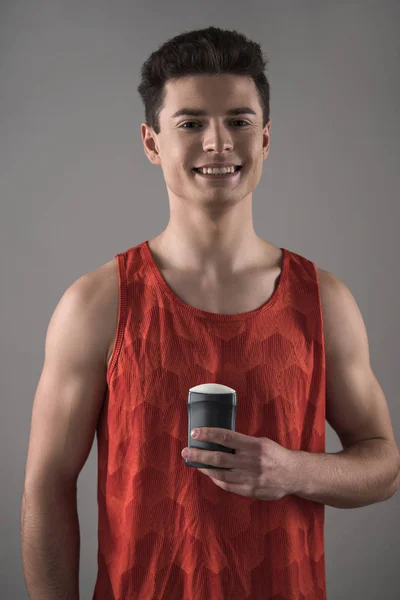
(205, 301)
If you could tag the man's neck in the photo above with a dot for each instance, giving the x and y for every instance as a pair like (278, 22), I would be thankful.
(211, 257)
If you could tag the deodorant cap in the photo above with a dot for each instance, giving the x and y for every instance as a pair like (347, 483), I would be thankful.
(212, 388)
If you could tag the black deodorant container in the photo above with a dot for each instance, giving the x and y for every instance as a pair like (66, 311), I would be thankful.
(210, 405)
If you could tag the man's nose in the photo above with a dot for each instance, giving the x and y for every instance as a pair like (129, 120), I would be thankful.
(218, 139)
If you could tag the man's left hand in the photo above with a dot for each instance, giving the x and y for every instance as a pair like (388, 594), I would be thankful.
(261, 468)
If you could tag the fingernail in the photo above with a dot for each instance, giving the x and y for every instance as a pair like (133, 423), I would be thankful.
(195, 432)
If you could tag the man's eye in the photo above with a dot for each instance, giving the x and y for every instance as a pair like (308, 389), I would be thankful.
(240, 121)
(189, 123)
(195, 123)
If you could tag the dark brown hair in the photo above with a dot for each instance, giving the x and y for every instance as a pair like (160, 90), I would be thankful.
(210, 51)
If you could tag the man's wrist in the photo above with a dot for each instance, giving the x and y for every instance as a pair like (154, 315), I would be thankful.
(297, 481)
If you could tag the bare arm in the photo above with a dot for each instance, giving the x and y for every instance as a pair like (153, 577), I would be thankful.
(367, 469)
(65, 411)
(359, 475)
(51, 544)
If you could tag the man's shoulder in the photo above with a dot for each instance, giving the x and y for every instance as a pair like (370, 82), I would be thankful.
(100, 290)
(330, 284)
(340, 311)
(101, 283)
(331, 289)
(107, 273)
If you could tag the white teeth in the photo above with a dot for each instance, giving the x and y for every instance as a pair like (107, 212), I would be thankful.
(211, 171)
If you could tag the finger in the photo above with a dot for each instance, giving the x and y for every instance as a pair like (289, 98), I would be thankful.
(211, 457)
(220, 476)
(235, 483)
(227, 438)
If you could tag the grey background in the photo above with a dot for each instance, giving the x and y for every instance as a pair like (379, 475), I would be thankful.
(76, 188)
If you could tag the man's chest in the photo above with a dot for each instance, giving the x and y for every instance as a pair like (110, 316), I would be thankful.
(234, 295)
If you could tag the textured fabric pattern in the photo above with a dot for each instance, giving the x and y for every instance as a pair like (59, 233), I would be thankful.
(165, 530)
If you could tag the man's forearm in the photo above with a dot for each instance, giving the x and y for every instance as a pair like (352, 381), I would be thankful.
(50, 542)
(365, 473)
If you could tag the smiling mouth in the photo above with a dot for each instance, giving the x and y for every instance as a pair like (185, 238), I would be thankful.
(237, 169)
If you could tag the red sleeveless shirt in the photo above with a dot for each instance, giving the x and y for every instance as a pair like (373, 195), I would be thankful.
(165, 530)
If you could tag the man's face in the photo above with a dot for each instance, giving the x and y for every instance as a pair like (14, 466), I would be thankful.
(186, 142)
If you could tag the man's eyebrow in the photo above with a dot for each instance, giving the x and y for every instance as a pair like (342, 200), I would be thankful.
(194, 112)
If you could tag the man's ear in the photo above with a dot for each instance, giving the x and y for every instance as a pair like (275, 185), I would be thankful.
(150, 144)
(266, 139)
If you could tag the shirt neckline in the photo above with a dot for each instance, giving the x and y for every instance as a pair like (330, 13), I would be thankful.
(194, 311)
